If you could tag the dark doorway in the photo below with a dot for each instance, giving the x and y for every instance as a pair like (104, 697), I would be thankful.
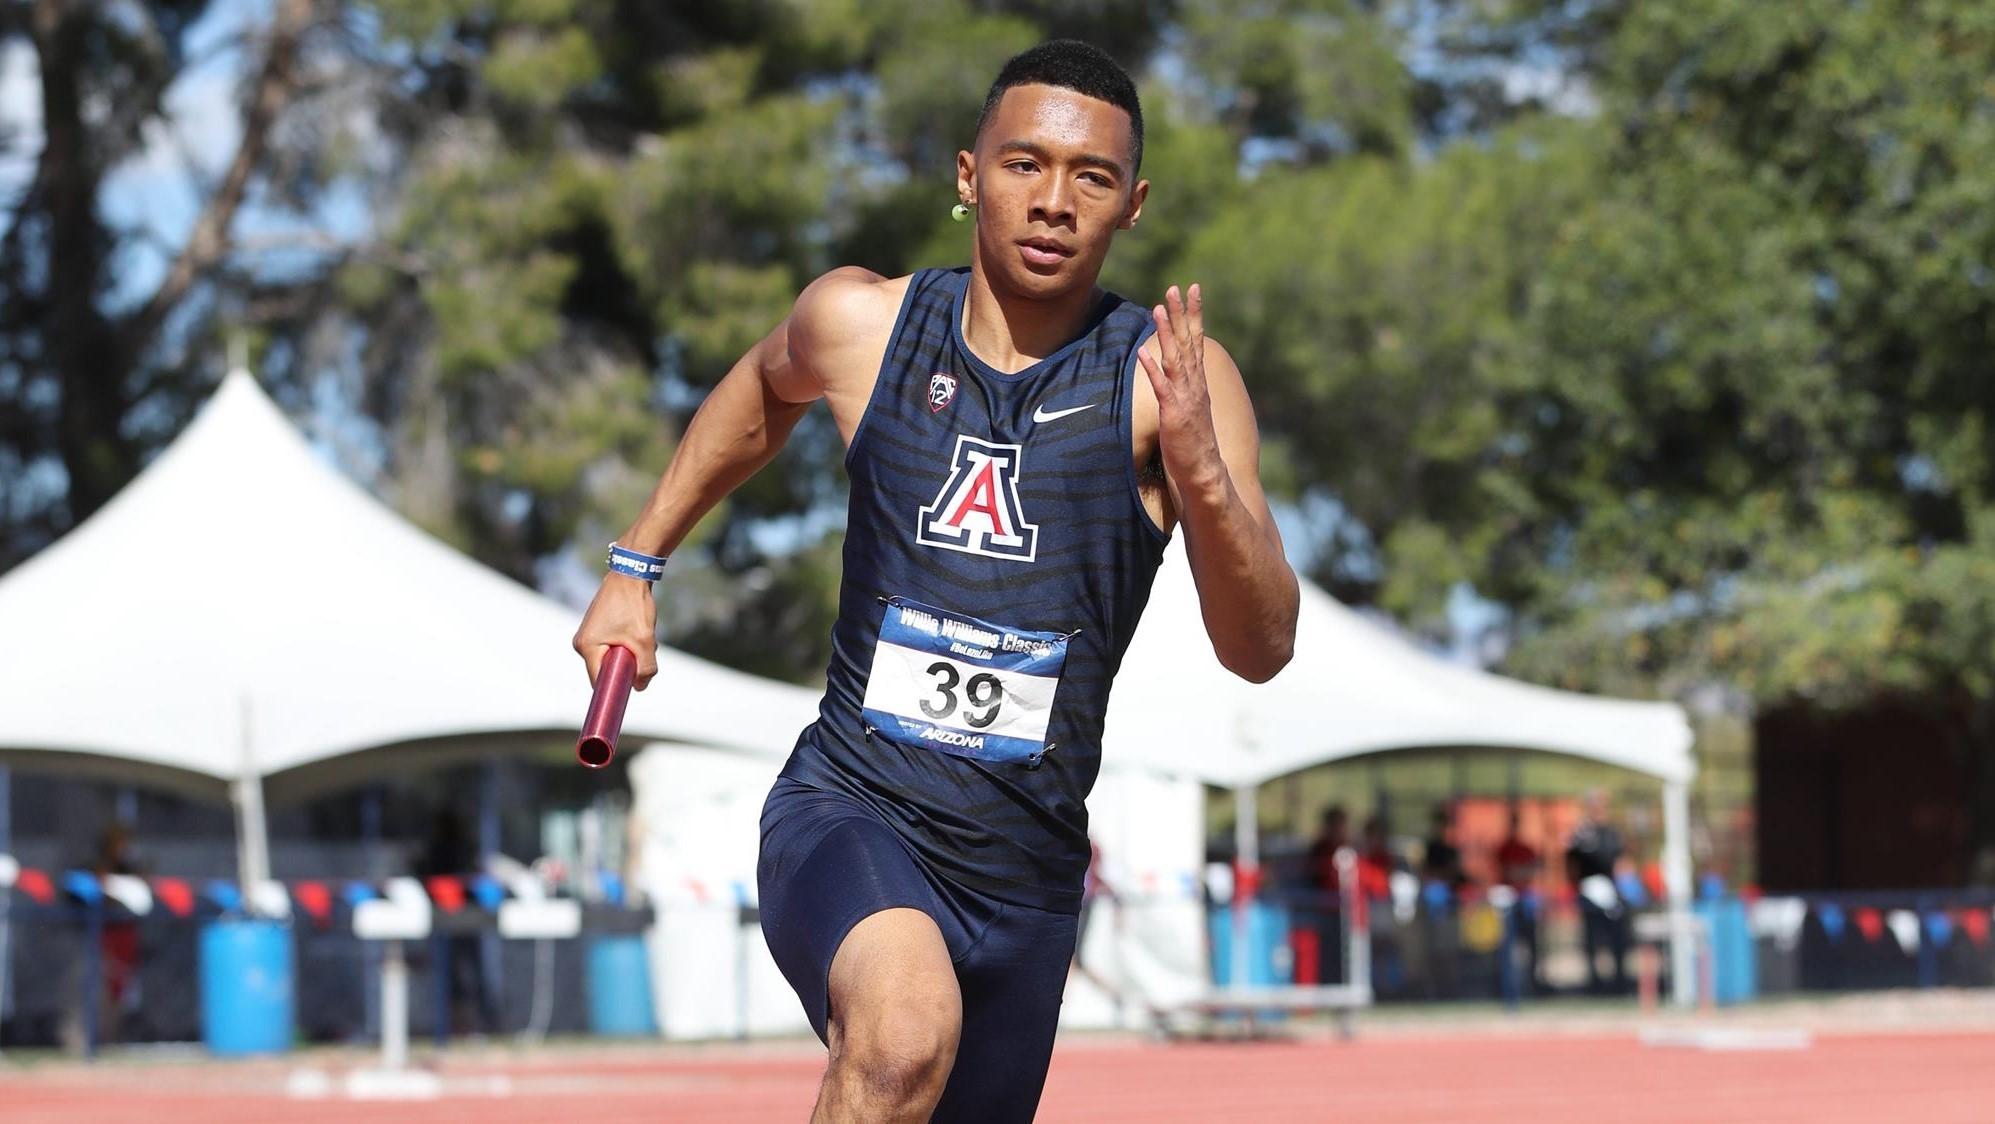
(1877, 799)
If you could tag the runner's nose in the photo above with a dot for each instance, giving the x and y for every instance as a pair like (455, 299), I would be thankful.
(1053, 202)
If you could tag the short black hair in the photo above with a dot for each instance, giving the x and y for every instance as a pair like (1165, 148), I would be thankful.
(1071, 65)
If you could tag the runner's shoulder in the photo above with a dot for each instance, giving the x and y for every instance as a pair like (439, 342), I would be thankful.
(843, 321)
(848, 301)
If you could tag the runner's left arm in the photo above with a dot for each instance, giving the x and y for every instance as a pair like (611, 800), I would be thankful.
(1211, 451)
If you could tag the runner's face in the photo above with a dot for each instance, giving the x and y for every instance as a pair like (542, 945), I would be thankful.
(1052, 180)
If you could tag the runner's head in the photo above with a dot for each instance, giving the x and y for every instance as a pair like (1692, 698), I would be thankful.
(1053, 168)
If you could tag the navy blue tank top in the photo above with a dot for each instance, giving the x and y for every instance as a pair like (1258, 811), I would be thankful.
(997, 558)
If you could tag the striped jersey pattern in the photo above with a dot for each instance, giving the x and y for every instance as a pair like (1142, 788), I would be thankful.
(1003, 510)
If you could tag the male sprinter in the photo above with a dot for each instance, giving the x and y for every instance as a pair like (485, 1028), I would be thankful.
(1013, 479)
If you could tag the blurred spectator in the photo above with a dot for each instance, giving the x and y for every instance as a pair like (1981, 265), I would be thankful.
(1442, 880)
(450, 852)
(1327, 911)
(1333, 836)
(1376, 862)
(1440, 859)
(1628, 881)
(1652, 881)
(1591, 858)
(1093, 889)
(117, 948)
(1517, 864)
(120, 937)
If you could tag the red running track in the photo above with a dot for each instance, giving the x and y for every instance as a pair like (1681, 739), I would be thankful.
(1927, 1078)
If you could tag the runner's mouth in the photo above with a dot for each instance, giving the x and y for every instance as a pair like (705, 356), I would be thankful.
(1044, 251)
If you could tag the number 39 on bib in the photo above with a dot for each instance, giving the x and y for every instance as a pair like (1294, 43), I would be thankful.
(953, 683)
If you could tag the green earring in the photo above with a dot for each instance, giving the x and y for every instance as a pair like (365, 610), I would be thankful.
(960, 212)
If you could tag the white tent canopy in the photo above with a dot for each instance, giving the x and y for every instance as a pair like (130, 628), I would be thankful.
(1353, 688)
(242, 609)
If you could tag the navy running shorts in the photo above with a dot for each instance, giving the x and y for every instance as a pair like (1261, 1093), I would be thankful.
(828, 862)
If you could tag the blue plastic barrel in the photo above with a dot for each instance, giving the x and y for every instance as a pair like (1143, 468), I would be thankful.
(1735, 967)
(1268, 959)
(619, 979)
(246, 971)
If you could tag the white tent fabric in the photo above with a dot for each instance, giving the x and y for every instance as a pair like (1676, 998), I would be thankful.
(243, 609)
(699, 814)
(1353, 688)
(1146, 938)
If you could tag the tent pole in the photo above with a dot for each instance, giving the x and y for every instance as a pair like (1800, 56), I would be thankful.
(1676, 880)
(1246, 872)
(252, 832)
(1355, 914)
(252, 857)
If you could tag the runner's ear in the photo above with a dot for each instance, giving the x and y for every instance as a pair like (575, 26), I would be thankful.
(1134, 211)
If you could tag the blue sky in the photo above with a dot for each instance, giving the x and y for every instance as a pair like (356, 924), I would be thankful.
(160, 188)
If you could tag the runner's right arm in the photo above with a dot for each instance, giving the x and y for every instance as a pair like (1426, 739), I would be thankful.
(741, 426)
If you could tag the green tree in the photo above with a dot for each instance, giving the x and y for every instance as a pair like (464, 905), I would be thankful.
(1743, 429)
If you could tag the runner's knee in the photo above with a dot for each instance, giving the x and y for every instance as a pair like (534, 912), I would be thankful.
(899, 1051)
(896, 1010)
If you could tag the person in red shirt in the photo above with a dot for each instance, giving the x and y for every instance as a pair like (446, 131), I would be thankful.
(1517, 862)
(1517, 866)
(1375, 862)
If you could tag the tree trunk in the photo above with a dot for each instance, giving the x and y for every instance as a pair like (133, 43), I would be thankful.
(80, 346)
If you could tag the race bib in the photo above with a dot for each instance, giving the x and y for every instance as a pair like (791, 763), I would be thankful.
(953, 683)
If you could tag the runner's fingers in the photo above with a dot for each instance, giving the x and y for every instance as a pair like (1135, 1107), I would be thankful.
(1165, 345)
(1180, 327)
(1159, 381)
(1195, 315)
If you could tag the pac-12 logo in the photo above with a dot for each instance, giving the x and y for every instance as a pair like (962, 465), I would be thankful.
(977, 509)
(941, 391)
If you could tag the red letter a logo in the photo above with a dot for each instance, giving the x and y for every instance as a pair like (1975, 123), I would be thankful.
(977, 509)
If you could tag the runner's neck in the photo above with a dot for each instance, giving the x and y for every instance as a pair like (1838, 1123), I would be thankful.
(1010, 333)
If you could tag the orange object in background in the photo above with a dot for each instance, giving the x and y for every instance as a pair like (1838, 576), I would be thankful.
(1545, 823)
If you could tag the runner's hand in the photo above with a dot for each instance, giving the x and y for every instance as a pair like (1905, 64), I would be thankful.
(622, 613)
(1187, 440)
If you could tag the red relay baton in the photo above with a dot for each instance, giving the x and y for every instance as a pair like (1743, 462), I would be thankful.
(598, 743)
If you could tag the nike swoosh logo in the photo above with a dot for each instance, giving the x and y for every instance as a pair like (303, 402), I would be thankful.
(1043, 415)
